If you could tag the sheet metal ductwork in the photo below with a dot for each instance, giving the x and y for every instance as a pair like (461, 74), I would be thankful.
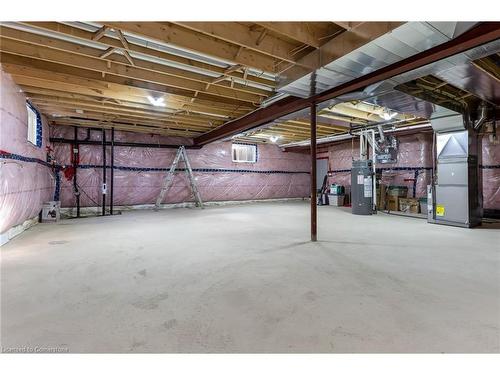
(402, 42)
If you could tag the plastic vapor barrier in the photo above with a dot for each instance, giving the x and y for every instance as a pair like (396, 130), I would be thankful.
(413, 167)
(139, 172)
(26, 182)
(491, 174)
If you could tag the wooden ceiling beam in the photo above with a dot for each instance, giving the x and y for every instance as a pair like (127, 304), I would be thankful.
(89, 111)
(320, 129)
(306, 122)
(25, 65)
(121, 56)
(285, 129)
(299, 31)
(61, 113)
(124, 127)
(339, 46)
(129, 107)
(99, 33)
(59, 110)
(282, 133)
(241, 35)
(132, 100)
(128, 94)
(66, 30)
(180, 36)
(96, 64)
(100, 117)
(124, 109)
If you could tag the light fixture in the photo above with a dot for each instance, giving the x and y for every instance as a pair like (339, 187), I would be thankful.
(388, 116)
(158, 102)
(273, 138)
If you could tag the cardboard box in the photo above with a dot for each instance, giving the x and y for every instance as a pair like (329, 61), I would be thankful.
(392, 203)
(336, 200)
(409, 205)
(381, 196)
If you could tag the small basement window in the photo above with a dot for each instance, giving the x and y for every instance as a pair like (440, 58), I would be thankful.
(34, 125)
(244, 153)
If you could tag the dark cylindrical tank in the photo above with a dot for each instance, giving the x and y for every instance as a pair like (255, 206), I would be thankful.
(362, 187)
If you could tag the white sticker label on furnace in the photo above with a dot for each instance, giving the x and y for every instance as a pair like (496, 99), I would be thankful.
(360, 179)
(368, 187)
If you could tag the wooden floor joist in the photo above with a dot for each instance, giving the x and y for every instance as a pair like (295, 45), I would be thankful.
(211, 77)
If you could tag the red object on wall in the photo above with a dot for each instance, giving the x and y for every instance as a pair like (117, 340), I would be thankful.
(69, 172)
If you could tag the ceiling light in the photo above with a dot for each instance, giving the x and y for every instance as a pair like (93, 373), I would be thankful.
(158, 102)
(80, 111)
(274, 138)
(388, 116)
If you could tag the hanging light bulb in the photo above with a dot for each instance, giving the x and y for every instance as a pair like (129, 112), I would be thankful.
(274, 138)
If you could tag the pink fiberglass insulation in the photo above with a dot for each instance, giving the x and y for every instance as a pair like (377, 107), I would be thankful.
(415, 153)
(276, 174)
(414, 162)
(491, 174)
(25, 183)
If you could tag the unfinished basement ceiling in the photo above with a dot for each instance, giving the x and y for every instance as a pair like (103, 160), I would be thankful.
(180, 79)
(334, 120)
(469, 81)
(188, 78)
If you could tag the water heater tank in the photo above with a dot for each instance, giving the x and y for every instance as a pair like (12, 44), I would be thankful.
(362, 187)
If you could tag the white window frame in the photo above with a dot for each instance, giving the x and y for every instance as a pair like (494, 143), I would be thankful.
(237, 157)
(32, 125)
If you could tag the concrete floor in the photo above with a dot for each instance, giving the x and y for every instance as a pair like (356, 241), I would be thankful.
(246, 279)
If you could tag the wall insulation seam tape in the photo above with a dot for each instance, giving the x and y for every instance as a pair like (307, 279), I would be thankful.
(8, 155)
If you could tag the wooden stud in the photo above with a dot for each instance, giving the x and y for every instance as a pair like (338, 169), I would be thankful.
(99, 33)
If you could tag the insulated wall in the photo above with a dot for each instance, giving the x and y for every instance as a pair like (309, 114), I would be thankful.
(414, 166)
(26, 181)
(491, 174)
(139, 172)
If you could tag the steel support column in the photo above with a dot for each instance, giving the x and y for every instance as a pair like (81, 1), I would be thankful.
(103, 172)
(314, 188)
(112, 171)
(75, 152)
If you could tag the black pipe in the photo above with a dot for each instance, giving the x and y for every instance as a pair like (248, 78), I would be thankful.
(103, 172)
(112, 170)
(76, 151)
(123, 144)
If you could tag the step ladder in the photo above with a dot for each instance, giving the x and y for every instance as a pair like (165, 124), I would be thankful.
(169, 178)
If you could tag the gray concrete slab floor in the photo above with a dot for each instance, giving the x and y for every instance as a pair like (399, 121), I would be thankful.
(246, 278)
